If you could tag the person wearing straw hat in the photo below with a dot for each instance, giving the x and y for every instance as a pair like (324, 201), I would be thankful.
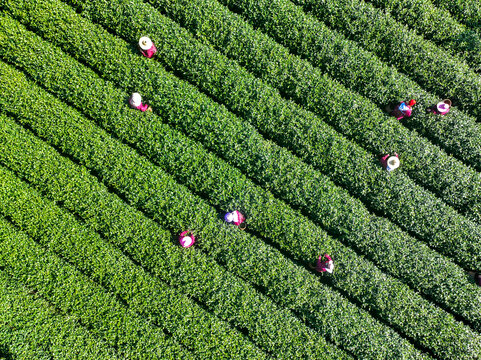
(390, 162)
(441, 108)
(147, 47)
(235, 217)
(403, 109)
(186, 239)
(324, 265)
(136, 102)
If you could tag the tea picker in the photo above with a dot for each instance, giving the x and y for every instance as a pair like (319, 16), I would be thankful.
(147, 47)
(441, 108)
(237, 218)
(187, 239)
(390, 162)
(324, 265)
(136, 102)
(403, 109)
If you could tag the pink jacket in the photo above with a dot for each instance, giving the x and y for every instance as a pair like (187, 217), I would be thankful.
(142, 107)
(323, 266)
(399, 114)
(149, 53)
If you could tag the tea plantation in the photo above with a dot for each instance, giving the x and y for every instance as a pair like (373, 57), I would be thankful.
(274, 108)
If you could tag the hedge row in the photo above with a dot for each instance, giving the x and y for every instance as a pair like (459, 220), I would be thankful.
(437, 25)
(31, 328)
(364, 123)
(332, 53)
(228, 188)
(466, 11)
(442, 176)
(149, 188)
(71, 292)
(395, 195)
(150, 246)
(396, 44)
(188, 323)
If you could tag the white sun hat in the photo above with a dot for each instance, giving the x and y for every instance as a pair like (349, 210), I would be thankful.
(187, 241)
(442, 107)
(145, 43)
(135, 99)
(229, 217)
(392, 163)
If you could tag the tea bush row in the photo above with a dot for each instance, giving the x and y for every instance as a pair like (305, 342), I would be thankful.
(436, 24)
(357, 118)
(187, 322)
(442, 176)
(70, 291)
(31, 328)
(147, 187)
(227, 187)
(142, 184)
(376, 31)
(393, 195)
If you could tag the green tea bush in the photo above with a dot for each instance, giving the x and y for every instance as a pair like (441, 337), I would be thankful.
(147, 187)
(179, 316)
(225, 187)
(466, 11)
(395, 196)
(438, 25)
(376, 31)
(73, 293)
(370, 128)
(31, 328)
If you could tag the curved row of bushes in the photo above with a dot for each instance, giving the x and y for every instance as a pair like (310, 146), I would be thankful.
(186, 108)
(187, 322)
(342, 59)
(396, 44)
(466, 11)
(455, 183)
(147, 187)
(31, 328)
(437, 25)
(150, 246)
(70, 291)
(357, 118)
(227, 188)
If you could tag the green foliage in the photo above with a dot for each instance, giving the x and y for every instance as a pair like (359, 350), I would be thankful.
(349, 113)
(466, 11)
(225, 187)
(34, 329)
(70, 291)
(188, 323)
(394, 195)
(437, 25)
(147, 187)
(396, 44)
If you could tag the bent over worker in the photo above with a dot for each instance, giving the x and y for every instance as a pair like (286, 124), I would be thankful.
(324, 265)
(136, 102)
(235, 217)
(403, 109)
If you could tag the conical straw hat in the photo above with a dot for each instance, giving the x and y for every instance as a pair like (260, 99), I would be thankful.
(135, 99)
(186, 241)
(442, 107)
(145, 43)
(393, 162)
